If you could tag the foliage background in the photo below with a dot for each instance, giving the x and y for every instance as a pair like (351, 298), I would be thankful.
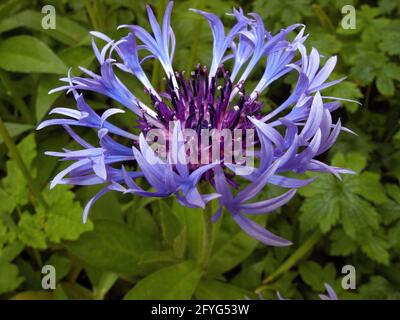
(138, 248)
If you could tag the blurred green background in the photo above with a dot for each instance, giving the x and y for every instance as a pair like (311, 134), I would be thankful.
(140, 248)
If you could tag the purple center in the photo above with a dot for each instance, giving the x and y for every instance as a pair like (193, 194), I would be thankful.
(199, 103)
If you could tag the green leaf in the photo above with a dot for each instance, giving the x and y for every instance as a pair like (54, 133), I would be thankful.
(393, 191)
(322, 210)
(44, 100)
(346, 89)
(385, 85)
(390, 43)
(326, 43)
(358, 216)
(9, 280)
(394, 235)
(193, 223)
(15, 129)
(66, 31)
(112, 246)
(342, 244)
(63, 220)
(170, 225)
(378, 288)
(14, 184)
(61, 263)
(369, 187)
(232, 246)
(11, 251)
(7, 203)
(176, 282)
(330, 201)
(353, 160)
(218, 290)
(28, 54)
(376, 248)
(7, 235)
(316, 276)
(30, 231)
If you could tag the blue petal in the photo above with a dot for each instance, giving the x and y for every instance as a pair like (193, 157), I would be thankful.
(267, 206)
(256, 231)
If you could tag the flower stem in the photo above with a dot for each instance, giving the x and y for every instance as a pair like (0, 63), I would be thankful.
(197, 32)
(157, 75)
(18, 101)
(16, 155)
(306, 247)
(91, 11)
(207, 237)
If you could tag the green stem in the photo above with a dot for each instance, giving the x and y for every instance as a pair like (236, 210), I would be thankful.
(197, 32)
(91, 10)
(18, 101)
(156, 75)
(306, 247)
(16, 155)
(207, 238)
(326, 22)
(105, 283)
(367, 96)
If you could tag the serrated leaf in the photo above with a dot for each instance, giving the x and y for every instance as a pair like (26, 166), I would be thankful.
(330, 201)
(376, 248)
(316, 276)
(7, 236)
(7, 203)
(385, 85)
(30, 231)
(341, 244)
(369, 187)
(322, 211)
(14, 184)
(353, 160)
(390, 42)
(63, 219)
(358, 216)
(349, 90)
(10, 280)
(377, 288)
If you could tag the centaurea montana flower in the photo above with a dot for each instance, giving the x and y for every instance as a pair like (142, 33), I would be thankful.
(288, 139)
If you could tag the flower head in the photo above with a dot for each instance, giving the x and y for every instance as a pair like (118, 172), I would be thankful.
(209, 105)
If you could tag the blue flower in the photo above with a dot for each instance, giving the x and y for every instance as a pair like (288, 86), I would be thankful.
(287, 139)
